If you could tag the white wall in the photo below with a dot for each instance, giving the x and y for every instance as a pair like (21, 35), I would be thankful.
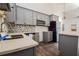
(71, 18)
(68, 22)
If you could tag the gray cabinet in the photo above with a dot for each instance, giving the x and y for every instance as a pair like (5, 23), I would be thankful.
(27, 16)
(24, 16)
(44, 17)
(34, 17)
(68, 45)
(25, 52)
(36, 37)
(47, 36)
(54, 17)
(20, 16)
(11, 16)
(47, 20)
(39, 16)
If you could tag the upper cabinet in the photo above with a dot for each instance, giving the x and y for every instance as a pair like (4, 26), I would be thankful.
(27, 16)
(47, 20)
(11, 15)
(24, 16)
(34, 17)
(43, 17)
(20, 16)
(40, 16)
(54, 17)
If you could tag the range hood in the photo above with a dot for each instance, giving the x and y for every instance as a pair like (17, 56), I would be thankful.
(5, 7)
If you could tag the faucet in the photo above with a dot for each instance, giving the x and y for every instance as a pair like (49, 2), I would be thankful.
(3, 37)
(6, 24)
(1, 26)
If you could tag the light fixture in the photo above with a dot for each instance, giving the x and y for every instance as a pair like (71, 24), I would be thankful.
(64, 17)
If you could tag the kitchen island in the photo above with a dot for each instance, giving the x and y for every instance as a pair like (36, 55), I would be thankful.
(69, 43)
(18, 47)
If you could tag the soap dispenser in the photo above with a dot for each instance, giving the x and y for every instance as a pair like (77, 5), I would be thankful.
(3, 37)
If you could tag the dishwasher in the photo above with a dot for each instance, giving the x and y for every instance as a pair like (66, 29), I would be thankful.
(47, 36)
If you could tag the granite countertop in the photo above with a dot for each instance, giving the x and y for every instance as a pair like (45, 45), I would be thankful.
(70, 33)
(9, 46)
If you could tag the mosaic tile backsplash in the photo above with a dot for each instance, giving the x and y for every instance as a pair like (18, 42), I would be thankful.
(22, 28)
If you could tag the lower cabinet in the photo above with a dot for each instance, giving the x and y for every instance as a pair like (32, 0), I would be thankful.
(47, 36)
(36, 37)
(68, 45)
(25, 52)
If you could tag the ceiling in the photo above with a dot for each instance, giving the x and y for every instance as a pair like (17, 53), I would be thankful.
(49, 8)
(62, 6)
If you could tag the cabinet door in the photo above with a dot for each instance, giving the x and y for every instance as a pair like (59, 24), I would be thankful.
(11, 16)
(28, 16)
(39, 16)
(47, 20)
(20, 18)
(34, 18)
(54, 17)
(43, 17)
(68, 45)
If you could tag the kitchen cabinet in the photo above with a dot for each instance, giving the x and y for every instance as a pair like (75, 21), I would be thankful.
(36, 37)
(11, 15)
(68, 45)
(44, 17)
(47, 20)
(47, 36)
(34, 17)
(38, 16)
(27, 16)
(20, 16)
(53, 17)
(24, 16)
(25, 52)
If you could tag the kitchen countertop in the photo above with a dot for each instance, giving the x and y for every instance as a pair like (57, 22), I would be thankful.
(70, 33)
(9, 46)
